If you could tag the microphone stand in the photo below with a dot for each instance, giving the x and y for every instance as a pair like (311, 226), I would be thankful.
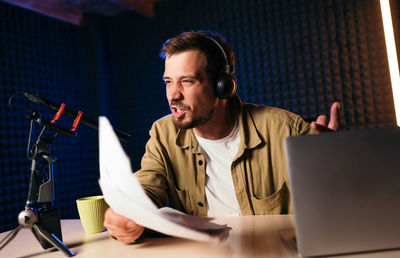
(40, 215)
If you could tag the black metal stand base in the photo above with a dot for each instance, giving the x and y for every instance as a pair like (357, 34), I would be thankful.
(29, 219)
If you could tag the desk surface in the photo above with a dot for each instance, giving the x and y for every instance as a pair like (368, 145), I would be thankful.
(251, 236)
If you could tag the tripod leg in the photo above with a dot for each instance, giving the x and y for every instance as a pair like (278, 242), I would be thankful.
(10, 236)
(52, 239)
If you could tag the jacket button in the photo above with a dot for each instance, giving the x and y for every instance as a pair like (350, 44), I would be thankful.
(200, 162)
(200, 204)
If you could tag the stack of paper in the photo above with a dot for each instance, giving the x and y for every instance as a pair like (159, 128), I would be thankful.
(123, 192)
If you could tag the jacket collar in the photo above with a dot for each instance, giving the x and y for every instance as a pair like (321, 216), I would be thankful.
(249, 137)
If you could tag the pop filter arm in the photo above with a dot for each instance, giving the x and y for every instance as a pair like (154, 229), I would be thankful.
(35, 98)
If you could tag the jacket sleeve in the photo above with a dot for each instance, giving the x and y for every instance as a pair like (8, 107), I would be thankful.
(303, 127)
(152, 175)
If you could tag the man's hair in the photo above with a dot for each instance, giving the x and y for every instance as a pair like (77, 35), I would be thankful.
(200, 40)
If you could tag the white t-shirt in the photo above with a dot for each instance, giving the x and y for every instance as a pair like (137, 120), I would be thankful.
(220, 192)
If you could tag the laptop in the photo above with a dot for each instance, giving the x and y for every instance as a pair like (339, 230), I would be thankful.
(345, 190)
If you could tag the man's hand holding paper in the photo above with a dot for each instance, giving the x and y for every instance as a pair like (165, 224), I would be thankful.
(121, 228)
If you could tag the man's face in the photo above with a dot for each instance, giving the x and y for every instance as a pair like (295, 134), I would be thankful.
(190, 95)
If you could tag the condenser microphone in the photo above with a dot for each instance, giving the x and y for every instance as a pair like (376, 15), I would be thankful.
(35, 98)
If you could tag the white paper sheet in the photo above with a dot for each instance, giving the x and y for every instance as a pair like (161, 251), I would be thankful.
(123, 192)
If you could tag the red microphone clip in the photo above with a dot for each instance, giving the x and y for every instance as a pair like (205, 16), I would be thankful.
(76, 121)
(59, 112)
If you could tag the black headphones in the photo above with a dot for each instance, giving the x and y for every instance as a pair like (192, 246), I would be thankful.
(225, 85)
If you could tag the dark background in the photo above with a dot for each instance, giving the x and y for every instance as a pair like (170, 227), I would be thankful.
(299, 55)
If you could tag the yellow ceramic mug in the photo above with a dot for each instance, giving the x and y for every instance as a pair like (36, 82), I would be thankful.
(91, 211)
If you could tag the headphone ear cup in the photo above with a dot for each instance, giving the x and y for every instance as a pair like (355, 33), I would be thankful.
(225, 87)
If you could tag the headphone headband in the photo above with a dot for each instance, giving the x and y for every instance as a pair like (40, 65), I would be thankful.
(228, 69)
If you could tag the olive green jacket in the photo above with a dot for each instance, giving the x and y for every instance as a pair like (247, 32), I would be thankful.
(173, 166)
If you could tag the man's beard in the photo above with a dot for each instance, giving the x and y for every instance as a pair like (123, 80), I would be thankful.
(196, 121)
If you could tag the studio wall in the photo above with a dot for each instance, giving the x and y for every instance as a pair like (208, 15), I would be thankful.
(39, 54)
(299, 55)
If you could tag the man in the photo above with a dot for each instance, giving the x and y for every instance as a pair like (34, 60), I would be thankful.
(214, 155)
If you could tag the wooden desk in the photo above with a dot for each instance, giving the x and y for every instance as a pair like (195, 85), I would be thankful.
(251, 236)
